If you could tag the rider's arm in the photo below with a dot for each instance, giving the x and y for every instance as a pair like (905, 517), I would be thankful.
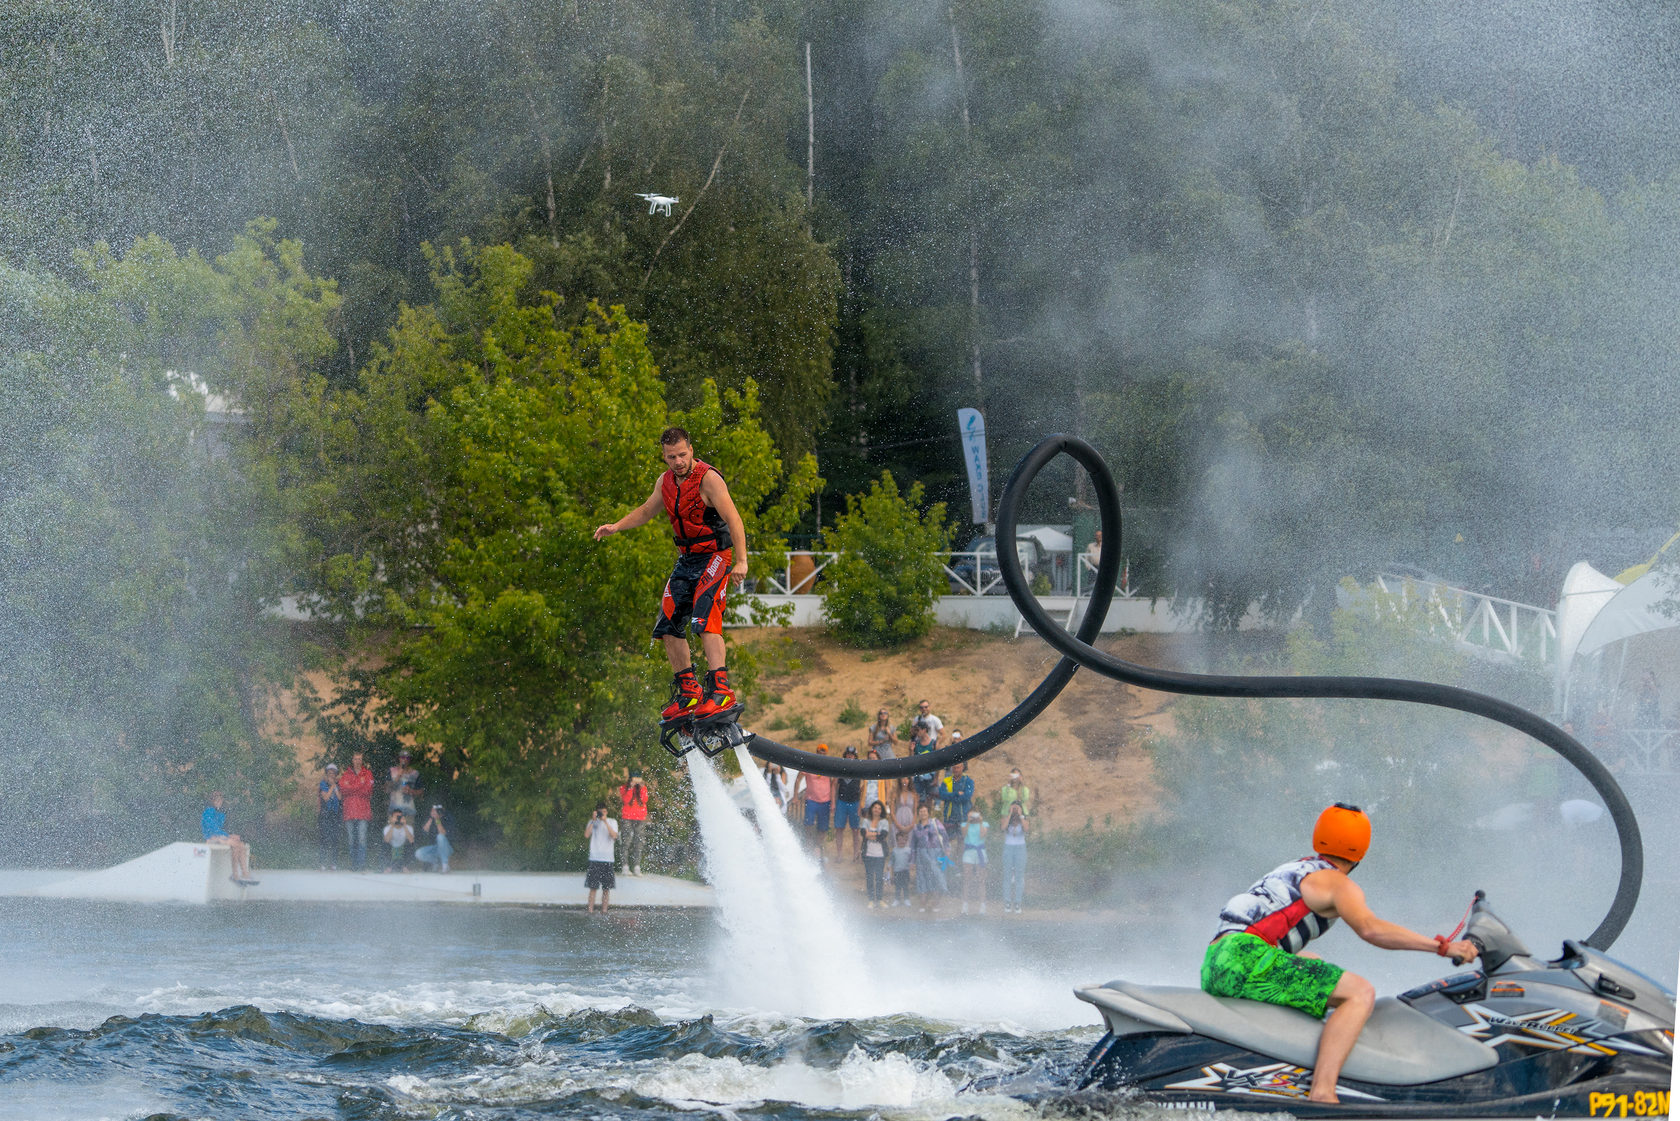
(1333, 893)
(716, 494)
(640, 516)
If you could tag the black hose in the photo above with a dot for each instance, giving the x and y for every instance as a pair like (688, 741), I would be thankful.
(1076, 650)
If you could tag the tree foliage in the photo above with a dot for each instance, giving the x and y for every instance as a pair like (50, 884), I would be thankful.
(1333, 285)
(141, 534)
(881, 588)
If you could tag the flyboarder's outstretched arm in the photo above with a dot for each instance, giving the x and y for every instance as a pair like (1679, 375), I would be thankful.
(716, 494)
(640, 516)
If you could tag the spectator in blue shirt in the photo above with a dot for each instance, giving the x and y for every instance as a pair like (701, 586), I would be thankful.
(214, 824)
(957, 792)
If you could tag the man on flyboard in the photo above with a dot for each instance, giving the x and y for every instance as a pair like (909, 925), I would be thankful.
(709, 534)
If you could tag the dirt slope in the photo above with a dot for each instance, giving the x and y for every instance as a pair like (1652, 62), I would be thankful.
(1084, 757)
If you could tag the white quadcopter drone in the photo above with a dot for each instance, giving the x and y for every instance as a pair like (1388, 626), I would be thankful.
(659, 204)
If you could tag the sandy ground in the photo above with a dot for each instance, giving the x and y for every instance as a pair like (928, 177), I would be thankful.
(1084, 758)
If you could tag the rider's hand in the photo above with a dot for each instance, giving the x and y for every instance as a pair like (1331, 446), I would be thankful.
(606, 530)
(739, 572)
(1462, 951)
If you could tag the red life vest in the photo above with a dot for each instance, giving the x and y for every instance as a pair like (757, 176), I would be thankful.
(697, 527)
(633, 802)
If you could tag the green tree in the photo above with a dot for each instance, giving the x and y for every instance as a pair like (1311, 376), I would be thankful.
(141, 536)
(881, 589)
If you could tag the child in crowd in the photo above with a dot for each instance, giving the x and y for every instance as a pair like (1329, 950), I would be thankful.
(901, 867)
(974, 860)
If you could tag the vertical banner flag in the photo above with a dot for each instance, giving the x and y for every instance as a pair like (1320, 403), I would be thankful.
(972, 427)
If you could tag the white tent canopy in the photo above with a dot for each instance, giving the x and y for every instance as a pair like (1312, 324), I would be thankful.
(1636, 609)
(1586, 592)
(1595, 611)
(1052, 539)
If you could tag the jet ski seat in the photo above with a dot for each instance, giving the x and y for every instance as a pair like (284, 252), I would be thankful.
(1400, 1046)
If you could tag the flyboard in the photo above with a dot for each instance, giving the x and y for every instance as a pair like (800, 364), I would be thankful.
(1605, 1049)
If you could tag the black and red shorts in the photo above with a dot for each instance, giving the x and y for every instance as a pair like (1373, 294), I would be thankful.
(695, 595)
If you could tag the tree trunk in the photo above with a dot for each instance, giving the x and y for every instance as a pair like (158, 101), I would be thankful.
(166, 27)
(548, 165)
(973, 225)
(810, 136)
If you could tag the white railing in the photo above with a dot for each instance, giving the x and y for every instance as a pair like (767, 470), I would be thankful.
(1085, 576)
(793, 578)
(971, 573)
(1651, 751)
(1505, 626)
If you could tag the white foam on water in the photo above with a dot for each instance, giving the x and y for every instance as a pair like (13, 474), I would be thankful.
(43, 1099)
(486, 1004)
(891, 1085)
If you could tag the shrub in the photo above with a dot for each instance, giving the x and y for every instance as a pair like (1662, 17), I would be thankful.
(853, 716)
(883, 585)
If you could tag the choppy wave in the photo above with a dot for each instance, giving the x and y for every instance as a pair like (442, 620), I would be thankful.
(536, 1061)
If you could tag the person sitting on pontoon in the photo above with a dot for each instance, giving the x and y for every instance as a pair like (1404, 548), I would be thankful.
(214, 824)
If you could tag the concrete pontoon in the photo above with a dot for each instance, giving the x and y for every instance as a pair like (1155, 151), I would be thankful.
(187, 872)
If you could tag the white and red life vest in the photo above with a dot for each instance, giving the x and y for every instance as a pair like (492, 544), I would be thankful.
(1273, 909)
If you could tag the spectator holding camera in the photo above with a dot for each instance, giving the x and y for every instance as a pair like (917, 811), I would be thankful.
(922, 741)
(848, 793)
(329, 818)
(399, 834)
(926, 719)
(633, 812)
(602, 832)
(439, 850)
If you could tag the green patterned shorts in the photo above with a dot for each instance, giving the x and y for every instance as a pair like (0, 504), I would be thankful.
(1246, 966)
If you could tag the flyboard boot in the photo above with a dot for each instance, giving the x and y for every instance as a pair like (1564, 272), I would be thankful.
(711, 724)
(685, 695)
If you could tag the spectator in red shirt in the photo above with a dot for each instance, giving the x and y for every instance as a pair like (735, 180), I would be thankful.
(355, 786)
(819, 802)
(632, 820)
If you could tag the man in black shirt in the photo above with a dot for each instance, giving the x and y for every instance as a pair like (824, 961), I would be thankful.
(847, 791)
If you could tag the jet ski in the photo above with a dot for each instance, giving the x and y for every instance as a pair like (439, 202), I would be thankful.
(1580, 1036)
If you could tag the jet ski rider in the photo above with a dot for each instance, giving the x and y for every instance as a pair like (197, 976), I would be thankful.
(1257, 952)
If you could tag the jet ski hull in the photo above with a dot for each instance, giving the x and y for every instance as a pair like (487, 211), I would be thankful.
(1194, 1072)
(1582, 1036)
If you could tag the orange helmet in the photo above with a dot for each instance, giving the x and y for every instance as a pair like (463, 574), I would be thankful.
(1342, 830)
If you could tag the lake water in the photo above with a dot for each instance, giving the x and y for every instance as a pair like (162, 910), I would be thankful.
(271, 1011)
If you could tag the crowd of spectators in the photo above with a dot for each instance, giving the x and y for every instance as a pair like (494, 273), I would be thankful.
(344, 801)
(926, 835)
